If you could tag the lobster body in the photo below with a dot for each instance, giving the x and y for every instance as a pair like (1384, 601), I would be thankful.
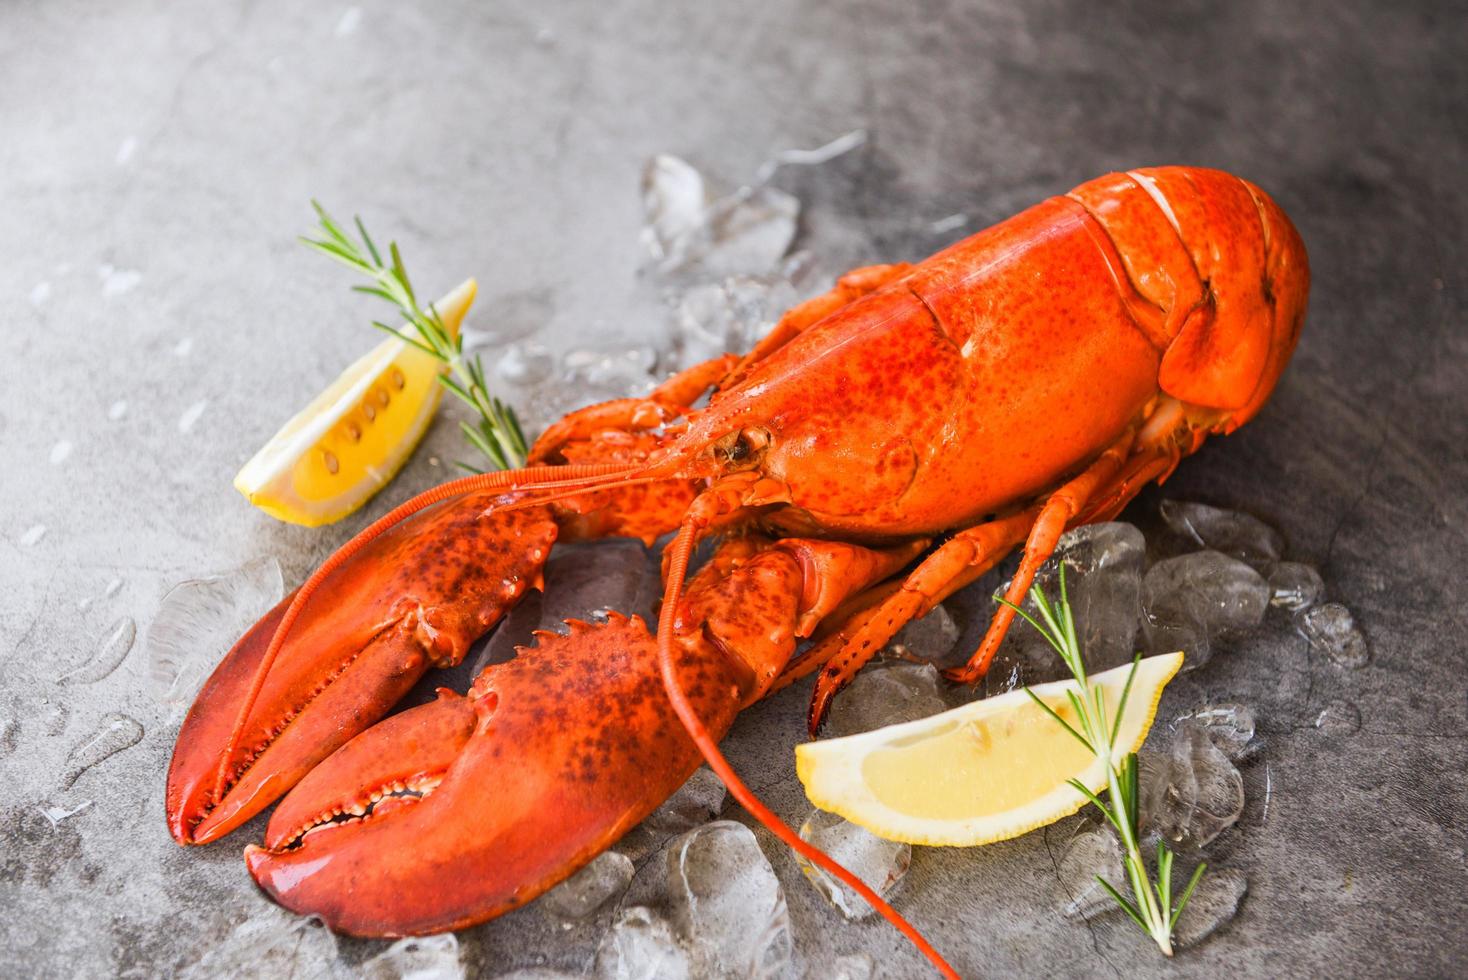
(1027, 379)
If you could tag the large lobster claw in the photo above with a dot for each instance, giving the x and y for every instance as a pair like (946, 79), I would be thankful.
(456, 811)
(464, 808)
(413, 598)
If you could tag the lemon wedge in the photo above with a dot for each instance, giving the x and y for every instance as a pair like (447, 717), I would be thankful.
(985, 772)
(354, 436)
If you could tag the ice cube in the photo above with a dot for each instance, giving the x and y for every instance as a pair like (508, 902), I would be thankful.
(877, 862)
(1091, 852)
(641, 946)
(746, 232)
(1231, 726)
(525, 364)
(198, 622)
(272, 944)
(1295, 586)
(728, 316)
(1331, 630)
(727, 902)
(1192, 599)
(886, 694)
(606, 877)
(854, 966)
(1339, 718)
(1212, 905)
(417, 958)
(1234, 533)
(1190, 794)
(931, 638)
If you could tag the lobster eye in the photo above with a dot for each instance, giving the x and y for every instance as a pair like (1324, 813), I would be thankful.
(741, 449)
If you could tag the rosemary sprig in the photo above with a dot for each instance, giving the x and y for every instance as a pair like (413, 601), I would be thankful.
(1152, 906)
(496, 434)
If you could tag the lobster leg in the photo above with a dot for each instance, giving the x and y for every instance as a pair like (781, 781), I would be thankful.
(960, 560)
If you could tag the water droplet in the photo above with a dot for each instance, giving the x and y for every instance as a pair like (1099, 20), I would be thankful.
(192, 414)
(113, 587)
(56, 814)
(117, 410)
(52, 718)
(1295, 586)
(40, 292)
(1331, 629)
(115, 282)
(34, 534)
(351, 19)
(111, 651)
(126, 149)
(951, 223)
(117, 732)
(1339, 718)
(525, 364)
(60, 452)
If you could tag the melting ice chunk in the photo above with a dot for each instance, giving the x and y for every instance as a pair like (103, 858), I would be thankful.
(606, 877)
(728, 316)
(1213, 904)
(1196, 598)
(1331, 629)
(931, 638)
(1231, 726)
(641, 946)
(1339, 718)
(746, 232)
(199, 620)
(112, 649)
(886, 694)
(273, 944)
(1234, 533)
(525, 364)
(696, 802)
(116, 732)
(1091, 852)
(728, 903)
(417, 958)
(1190, 794)
(1295, 586)
(855, 966)
(880, 863)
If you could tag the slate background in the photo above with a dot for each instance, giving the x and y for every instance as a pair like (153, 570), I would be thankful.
(505, 142)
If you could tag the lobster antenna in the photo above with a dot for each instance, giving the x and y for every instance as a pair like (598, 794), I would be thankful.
(681, 552)
(535, 477)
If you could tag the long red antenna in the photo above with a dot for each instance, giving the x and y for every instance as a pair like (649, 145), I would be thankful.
(529, 478)
(681, 551)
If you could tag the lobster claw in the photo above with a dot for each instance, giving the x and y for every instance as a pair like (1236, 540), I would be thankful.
(414, 598)
(459, 810)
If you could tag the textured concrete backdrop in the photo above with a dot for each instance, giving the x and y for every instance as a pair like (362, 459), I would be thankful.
(155, 164)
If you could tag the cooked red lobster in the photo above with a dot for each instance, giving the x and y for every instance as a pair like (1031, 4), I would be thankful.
(885, 445)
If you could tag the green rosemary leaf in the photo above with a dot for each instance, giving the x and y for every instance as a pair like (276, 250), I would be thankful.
(1063, 723)
(1182, 901)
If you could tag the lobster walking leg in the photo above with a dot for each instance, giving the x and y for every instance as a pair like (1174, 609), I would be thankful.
(961, 560)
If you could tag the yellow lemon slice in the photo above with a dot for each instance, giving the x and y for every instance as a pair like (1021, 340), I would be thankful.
(354, 436)
(985, 772)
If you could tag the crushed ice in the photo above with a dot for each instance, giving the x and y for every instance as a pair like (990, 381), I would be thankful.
(417, 958)
(727, 903)
(605, 877)
(879, 863)
(197, 623)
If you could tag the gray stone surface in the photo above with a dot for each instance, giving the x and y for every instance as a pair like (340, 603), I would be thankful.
(156, 162)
